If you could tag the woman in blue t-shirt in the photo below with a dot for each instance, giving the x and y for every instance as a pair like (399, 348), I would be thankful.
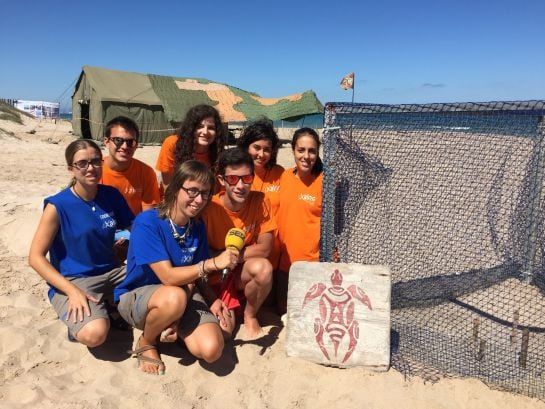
(168, 256)
(77, 228)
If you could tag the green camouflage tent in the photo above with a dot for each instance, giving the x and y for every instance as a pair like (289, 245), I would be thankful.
(158, 103)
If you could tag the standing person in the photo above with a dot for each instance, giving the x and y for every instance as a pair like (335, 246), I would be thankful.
(237, 206)
(168, 253)
(201, 137)
(77, 228)
(300, 209)
(261, 141)
(135, 180)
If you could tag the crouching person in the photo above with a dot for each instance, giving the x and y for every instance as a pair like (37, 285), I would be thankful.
(236, 206)
(77, 228)
(168, 255)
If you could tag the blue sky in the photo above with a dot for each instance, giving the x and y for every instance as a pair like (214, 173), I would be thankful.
(401, 51)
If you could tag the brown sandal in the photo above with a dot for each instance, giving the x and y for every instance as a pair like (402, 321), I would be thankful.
(141, 358)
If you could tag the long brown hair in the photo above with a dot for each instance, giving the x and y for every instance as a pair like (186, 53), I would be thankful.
(185, 145)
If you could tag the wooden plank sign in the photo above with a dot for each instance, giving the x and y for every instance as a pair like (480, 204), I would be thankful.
(339, 314)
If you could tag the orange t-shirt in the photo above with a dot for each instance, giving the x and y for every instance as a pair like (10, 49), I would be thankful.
(298, 219)
(268, 182)
(166, 159)
(255, 219)
(137, 184)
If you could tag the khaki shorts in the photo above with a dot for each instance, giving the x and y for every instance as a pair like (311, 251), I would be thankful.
(133, 307)
(101, 287)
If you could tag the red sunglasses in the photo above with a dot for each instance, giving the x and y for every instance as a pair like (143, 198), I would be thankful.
(232, 180)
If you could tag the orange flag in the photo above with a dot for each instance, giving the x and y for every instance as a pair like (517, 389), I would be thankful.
(348, 81)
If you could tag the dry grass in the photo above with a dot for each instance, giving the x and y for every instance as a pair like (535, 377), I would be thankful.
(9, 113)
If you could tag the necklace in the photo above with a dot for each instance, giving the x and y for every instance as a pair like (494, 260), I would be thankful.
(180, 238)
(89, 203)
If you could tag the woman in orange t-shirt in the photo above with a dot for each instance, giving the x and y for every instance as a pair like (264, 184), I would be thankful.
(300, 209)
(201, 137)
(261, 141)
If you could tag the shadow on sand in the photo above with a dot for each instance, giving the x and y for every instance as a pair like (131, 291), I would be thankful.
(116, 346)
(119, 342)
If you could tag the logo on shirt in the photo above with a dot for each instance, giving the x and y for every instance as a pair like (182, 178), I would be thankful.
(130, 190)
(272, 188)
(307, 198)
(187, 255)
(107, 220)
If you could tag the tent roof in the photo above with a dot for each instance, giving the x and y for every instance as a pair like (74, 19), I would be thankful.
(121, 86)
(178, 94)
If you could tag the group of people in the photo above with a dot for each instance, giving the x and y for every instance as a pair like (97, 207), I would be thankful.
(157, 253)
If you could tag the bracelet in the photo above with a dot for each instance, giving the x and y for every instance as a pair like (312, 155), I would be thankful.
(203, 274)
(215, 266)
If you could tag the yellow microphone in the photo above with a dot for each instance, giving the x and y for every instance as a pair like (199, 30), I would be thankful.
(234, 239)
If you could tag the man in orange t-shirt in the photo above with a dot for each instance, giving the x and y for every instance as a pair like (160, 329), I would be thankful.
(135, 180)
(238, 206)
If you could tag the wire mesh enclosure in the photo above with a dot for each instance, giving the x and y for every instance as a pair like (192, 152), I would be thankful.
(451, 198)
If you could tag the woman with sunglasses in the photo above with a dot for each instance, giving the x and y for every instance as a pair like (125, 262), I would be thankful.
(77, 228)
(168, 256)
(261, 141)
(201, 137)
(300, 209)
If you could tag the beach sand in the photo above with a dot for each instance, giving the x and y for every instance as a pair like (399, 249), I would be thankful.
(40, 368)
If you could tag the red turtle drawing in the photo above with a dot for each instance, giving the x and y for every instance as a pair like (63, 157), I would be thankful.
(336, 314)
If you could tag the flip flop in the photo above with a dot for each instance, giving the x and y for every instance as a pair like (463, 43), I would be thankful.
(141, 358)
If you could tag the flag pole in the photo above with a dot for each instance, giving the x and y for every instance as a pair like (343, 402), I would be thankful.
(353, 86)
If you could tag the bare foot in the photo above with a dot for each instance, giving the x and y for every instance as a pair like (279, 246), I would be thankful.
(148, 358)
(252, 328)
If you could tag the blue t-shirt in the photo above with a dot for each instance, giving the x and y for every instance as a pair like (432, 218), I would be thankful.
(152, 240)
(83, 246)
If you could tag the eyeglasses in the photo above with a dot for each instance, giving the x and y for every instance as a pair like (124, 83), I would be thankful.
(118, 142)
(193, 192)
(233, 179)
(84, 164)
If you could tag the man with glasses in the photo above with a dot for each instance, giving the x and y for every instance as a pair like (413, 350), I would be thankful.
(236, 206)
(136, 181)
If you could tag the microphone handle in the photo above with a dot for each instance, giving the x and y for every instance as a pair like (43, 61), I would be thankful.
(225, 272)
